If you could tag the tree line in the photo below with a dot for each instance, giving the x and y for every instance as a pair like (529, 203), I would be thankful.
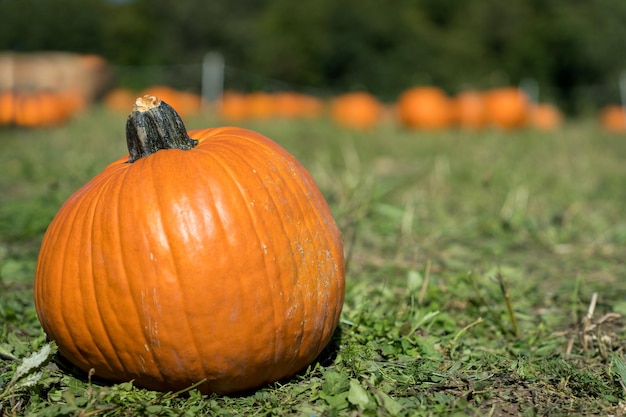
(571, 49)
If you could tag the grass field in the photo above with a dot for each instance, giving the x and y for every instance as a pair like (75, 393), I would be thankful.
(486, 274)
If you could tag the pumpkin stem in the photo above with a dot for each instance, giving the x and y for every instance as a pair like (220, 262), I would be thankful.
(153, 125)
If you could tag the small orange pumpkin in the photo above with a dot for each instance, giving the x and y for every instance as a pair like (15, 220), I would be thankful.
(211, 259)
(311, 106)
(425, 107)
(469, 110)
(613, 118)
(260, 105)
(7, 107)
(545, 116)
(73, 102)
(358, 110)
(289, 104)
(233, 106)
(184, 102)
(165, 92)
(507, 107)
(39, 109)
(189, 103)
(120, 100)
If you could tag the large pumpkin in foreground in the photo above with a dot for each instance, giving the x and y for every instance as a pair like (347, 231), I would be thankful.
(215, 260)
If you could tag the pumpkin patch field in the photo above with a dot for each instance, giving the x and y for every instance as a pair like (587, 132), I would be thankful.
(485, 268)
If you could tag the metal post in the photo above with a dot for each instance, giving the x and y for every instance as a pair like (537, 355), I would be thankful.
(531, 88)
(622, 91)
(212, 78)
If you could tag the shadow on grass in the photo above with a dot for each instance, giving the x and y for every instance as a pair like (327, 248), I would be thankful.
(326, 358)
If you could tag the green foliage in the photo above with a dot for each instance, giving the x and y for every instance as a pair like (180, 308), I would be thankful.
(473, 258)
(330, 46)
(51, 25)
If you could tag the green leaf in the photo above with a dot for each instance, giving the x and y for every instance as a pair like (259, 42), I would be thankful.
(357, 394)
(337, 401)
(334, 383)
(414, 281)
(620, 368)
(427, 317)
(388, 403)
(154, 409)
(6, 355)
(34, 361)
(29, 380)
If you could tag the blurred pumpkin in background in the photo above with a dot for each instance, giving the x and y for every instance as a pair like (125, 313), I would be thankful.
(613, 118)
(260, 105)
(288, 104)
(507, 107)
(545, 116)
(232, 106)
(120, 100)
(356, 110)
(468, 110)
(40, 109)
(426, 107)
(185, 103)
(7, 107)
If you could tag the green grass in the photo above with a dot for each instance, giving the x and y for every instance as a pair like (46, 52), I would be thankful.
(486, 274)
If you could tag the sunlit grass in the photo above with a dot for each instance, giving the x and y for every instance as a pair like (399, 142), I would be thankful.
(473, 258)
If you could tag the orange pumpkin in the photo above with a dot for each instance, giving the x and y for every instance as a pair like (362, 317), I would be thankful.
(185, 103)
(507, 107)
(233, 106)
(357, 110)
(260, 105)
(469, 110)
(39, 109)
(545, 116)
(311, 106)
(613, 118)
(211, 259)
(165, 92)
(294, 105)
(7, 107)
(189, 103)
(120, 100)
(72, 101)
(286, 104)
(426, 107)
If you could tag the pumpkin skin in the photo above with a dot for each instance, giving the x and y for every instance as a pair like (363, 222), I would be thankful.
(220, 263)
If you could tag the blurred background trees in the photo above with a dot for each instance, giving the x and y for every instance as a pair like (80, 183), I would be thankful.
(572, 50)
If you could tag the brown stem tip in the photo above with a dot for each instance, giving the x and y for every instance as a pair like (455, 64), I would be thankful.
(154, 125)
(146, 102)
